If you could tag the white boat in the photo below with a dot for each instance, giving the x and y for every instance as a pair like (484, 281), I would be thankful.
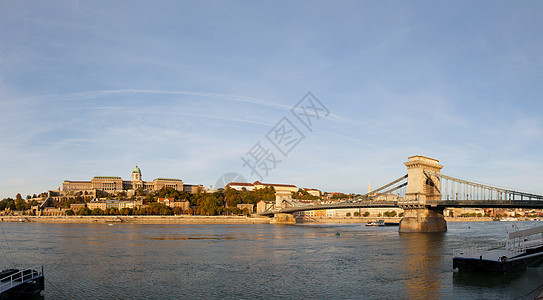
(376, 223)
(523, 247)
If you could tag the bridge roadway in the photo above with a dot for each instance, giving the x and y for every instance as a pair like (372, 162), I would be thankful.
(429, 204)
(375, 204)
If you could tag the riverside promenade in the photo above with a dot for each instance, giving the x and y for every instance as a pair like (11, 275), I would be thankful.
(183, 219)
(189, 219)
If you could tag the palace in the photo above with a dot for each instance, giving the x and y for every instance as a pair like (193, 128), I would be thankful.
(117, 184)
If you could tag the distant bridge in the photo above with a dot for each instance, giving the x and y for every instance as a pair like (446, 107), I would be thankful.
(424, 187)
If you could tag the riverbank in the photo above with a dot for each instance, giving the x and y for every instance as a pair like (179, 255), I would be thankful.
(328, 220)
(184, 219)
(189, 219)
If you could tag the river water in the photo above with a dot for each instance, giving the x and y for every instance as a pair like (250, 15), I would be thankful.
(84, 261)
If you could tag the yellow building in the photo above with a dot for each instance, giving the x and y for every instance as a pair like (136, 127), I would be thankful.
(278, 187)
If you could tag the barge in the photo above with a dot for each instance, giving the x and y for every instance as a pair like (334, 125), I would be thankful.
(21, 283)
(522, 248)
(382, 223)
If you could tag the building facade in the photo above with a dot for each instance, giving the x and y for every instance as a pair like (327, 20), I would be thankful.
(117, 184)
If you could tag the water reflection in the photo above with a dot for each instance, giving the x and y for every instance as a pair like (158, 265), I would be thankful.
(422, 256)
(258, 261)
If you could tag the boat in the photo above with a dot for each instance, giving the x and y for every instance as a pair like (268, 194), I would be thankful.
(523, 247)
(376, 223)
(21, 283)
(508, 219)
(382, 223)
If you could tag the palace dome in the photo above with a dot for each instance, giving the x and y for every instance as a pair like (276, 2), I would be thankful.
(136, 170)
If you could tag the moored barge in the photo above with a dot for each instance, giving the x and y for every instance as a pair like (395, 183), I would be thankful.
(521, 249)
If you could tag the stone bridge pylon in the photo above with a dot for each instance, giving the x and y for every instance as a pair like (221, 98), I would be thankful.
(281, 199)
(422, 186)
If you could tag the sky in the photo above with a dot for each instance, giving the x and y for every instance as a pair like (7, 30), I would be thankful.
(186, 89)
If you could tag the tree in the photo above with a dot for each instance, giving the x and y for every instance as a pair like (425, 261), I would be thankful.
(356, 214)
(70, 212)
(140, 191)
(366, 214)
(84, 211)
(159, 209)
(150, 197)
(232, 197)
(304, 195)
(126, 211)
(7, 203)
(390, 213)
(111, 211)
(19, 204)
(209, 204)
(348, 214)
(97, 211)
(265, 194)
(177, 210)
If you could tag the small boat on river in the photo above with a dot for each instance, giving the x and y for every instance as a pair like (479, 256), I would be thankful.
(382, 223)
(522, 248)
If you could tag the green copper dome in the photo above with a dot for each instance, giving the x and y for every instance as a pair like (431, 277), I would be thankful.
(136, 170)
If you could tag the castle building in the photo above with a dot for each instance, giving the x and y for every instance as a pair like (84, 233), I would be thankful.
(117, 184)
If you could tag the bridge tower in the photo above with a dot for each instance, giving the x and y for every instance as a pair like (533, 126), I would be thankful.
(281, 198)
(422, 186)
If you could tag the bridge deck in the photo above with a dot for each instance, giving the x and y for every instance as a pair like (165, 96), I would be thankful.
(432, 203)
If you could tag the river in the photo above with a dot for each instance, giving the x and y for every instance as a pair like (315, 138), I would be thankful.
(83, 261)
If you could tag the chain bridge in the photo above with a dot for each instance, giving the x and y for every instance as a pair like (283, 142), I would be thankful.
(422, 193)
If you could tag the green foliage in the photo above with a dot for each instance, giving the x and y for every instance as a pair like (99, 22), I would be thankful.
(265, 194)
(7, 203)
(160, 209)
(112, 211)
(232, 197)
(356, 214)
(339, 196)
(401, 215)
(126, 211)
(84, 211)
(348, 214)
(390, 213)
(366, 214)
(14, 204)
(140, 191)
(70, 212)
(97, 212)
(210, 204)
(304, 195)
(150, 197)
(101, 194)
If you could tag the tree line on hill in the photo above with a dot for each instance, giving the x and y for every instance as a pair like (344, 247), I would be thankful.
(221, 202)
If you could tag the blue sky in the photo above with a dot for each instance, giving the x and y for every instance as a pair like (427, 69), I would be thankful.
(184, 89)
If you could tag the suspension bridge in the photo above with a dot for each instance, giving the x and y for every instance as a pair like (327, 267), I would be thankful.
(423, 193)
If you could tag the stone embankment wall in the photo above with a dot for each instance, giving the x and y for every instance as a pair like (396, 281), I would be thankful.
(186, 219)
(138, 219)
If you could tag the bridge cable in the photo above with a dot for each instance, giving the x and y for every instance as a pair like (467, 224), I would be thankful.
(384, 186)
(12, 261)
